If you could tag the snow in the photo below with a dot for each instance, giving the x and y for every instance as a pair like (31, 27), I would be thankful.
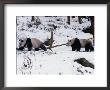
(60, 60)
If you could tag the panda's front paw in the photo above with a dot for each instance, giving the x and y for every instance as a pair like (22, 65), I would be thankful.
(36, 49)
(45, 49)
(21, 48)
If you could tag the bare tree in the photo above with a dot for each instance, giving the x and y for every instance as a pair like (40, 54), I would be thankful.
(33, 18)
(51, 29)
(68, 20)
(51, 40)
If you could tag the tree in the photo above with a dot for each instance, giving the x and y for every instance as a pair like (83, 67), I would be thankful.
(91, 28)
(68, 20)
(33, 18)
(51, 40)
(80, 19)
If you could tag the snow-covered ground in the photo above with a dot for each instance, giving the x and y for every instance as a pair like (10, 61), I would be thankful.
(60, 60)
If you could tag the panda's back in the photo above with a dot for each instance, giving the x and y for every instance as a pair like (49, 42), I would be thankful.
(84, 42)
(36, 42)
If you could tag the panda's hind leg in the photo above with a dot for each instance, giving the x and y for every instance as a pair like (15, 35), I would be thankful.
(29, 48)
(78, 49)
(91, 48)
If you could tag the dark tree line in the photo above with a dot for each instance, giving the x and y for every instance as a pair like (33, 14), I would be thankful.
(87, 30)
(91, 28)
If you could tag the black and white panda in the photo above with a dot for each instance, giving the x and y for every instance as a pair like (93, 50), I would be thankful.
(77, 44)
(31, 43)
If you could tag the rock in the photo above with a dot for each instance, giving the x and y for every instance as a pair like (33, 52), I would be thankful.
(84, 62)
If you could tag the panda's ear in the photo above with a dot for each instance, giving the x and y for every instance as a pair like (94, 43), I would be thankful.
(21, 40)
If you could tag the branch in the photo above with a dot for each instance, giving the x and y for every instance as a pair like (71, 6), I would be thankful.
(55, 46)
(47, 47)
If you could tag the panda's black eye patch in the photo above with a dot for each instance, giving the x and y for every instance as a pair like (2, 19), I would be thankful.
(21, 40)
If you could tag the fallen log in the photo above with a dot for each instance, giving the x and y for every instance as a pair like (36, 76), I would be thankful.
(46, 47)
(55, 46)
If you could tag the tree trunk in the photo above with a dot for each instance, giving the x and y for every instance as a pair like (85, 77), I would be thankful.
(92, 26)
(33, 18)
(68, 20)
(51, 39)
(79, 19)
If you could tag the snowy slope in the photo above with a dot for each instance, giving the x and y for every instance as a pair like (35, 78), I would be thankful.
(60, 60)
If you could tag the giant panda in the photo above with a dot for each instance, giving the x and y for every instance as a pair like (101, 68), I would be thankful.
(31, 43)
(77, 44)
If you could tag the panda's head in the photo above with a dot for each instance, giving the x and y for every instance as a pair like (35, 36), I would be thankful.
(22, 42)
(70, 42)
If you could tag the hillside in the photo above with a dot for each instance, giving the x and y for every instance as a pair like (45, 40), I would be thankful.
(61, 59)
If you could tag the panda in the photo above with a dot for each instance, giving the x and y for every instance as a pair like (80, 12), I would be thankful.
(31, 43)
(77, 44)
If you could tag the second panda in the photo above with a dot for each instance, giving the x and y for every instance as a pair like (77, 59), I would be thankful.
(31, 43)
(77, 44)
